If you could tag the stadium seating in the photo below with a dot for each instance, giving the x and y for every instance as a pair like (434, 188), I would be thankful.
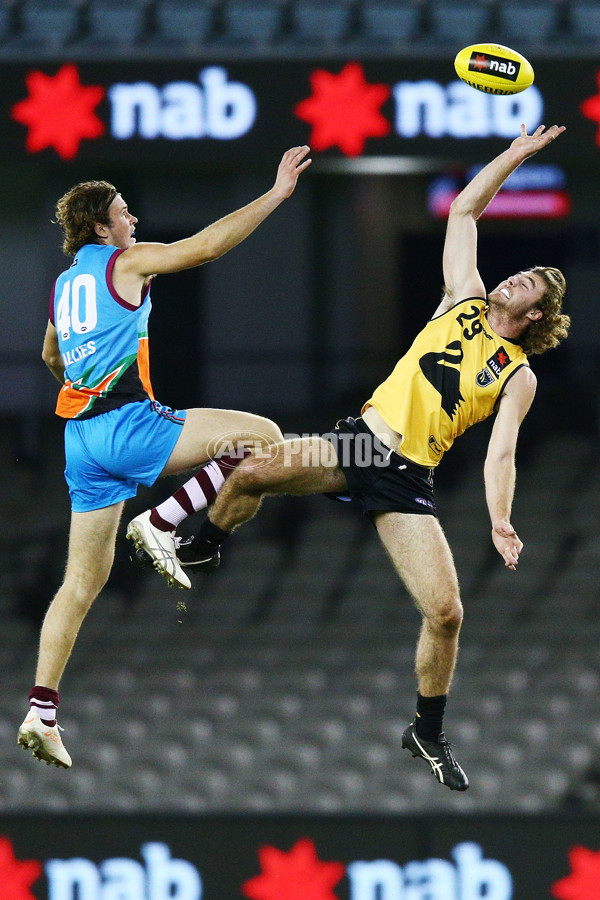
(384, 22)
(51, 25)
(528, 22)
(252, 22)
(111, 23)
(6, 24)
(317, 22)
(461, 21)
(296, 680)
(584, 21)
(181, 24)
(298, 27)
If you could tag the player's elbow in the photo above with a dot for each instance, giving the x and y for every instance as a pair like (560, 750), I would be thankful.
(192, 257)
(215, 254)
(52, 358)
(499, 460)
(461, 207)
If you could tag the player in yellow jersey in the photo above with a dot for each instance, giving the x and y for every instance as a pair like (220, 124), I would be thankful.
(469, 361)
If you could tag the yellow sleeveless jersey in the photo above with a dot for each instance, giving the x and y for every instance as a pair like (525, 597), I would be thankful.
(452, 376)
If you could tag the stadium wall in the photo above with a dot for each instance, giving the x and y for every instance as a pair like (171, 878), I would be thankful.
(287, 857)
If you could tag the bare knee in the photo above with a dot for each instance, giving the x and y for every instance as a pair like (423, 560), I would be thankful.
(446, 616)
(80, 590)
(250, 477)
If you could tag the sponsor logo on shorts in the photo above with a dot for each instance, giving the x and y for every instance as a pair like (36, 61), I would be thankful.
(425, 502)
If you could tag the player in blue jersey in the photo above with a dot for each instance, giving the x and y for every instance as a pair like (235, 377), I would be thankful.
(117, 435)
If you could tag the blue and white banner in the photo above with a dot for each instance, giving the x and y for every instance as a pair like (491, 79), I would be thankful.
(298, 858)
(238, 112)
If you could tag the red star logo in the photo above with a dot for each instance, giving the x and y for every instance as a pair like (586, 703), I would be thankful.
(584, 881)
(16, 877)
(480, 62)
(591, 108)
(502, 358)
(59, 111)
(297, 875)
(344, 110)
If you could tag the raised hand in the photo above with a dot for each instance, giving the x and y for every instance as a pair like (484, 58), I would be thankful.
(529, 144)
(292, 164)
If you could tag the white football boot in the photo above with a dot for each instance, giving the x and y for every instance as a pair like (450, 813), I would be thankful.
(160, 547)
(43, 740)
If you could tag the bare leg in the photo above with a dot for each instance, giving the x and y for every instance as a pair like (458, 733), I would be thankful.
(91, 554)
(420, 553)
(416, 544)
(206, 435)
(207, 432)
(304, 466)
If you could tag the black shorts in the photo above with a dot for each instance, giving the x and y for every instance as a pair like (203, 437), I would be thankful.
(378, 478)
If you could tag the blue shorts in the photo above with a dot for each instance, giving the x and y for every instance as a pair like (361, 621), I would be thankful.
(109, 455)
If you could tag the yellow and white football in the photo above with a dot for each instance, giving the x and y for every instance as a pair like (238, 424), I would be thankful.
(494, 69)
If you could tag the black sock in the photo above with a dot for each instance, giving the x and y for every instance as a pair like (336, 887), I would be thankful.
(210, 534)
(430, 715)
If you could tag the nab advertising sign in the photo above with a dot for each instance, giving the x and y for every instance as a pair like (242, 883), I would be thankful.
(298, 858)
(248, 112)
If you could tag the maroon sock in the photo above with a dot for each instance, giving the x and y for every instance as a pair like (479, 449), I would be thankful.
(196, 494)
(45, 700)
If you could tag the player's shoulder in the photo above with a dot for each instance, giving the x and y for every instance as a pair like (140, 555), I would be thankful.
(523, 381)
(526, 374)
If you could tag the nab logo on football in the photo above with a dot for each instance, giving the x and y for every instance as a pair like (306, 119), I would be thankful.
(495, 65)
(494, 69)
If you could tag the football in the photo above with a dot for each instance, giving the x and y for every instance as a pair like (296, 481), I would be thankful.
(493, 69)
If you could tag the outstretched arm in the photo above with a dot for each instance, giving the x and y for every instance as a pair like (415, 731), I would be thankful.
(144, 260)
(461, 277)
(499, 469)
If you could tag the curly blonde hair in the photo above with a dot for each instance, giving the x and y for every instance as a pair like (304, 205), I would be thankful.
(553, 326)
(80, 209)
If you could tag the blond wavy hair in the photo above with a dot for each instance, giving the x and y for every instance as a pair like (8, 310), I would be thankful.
(553, 327)
(80, 209)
